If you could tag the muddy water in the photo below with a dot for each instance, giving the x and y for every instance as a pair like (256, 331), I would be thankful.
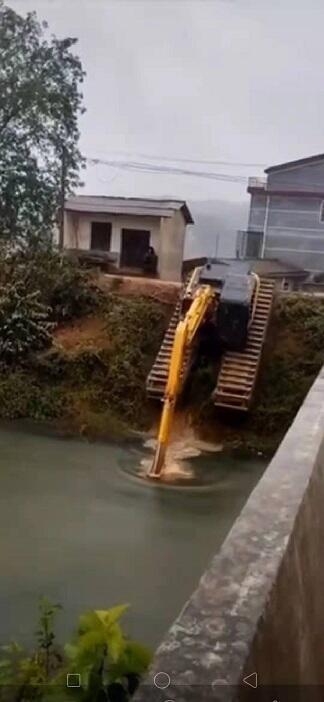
(79, 525)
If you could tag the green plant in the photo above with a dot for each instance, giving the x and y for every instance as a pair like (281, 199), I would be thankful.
(21, 676)
(66, 289)
(24, 324)
(136, 326)
(26, 675)
(110, 664)
(45, 635)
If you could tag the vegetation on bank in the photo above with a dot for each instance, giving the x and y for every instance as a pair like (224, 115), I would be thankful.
(69, 353)
(78, 357)
(107, 664)
(292, 358)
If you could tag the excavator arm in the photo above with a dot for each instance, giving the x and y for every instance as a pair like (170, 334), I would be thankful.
(184, 336)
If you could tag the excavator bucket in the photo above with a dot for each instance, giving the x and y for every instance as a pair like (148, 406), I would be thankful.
(158, 462)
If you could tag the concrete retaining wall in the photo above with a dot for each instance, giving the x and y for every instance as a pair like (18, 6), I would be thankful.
(260, 605)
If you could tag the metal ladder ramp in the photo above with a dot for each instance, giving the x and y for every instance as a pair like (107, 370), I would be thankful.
(158, 376)
(238, 372)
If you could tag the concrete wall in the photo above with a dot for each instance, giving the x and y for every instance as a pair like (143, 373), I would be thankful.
(167, 236)
(260, 604)
(257, 212)
(297, 177)
(78, 229)
(172, 246)
(294, 232)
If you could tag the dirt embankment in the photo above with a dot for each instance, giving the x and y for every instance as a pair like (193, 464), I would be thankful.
(92, 380)
(129, 335)
(159, 290)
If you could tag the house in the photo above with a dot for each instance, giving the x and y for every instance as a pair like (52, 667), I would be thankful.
(122, 229)
(286, 219)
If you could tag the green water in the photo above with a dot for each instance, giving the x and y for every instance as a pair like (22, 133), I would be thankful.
(79, 527)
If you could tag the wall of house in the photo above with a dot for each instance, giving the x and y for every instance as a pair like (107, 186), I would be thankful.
(294, 232)
(297, 177)
(173, 230)
(167, 237)
(78, 229)
(257, 212)
(249, 242)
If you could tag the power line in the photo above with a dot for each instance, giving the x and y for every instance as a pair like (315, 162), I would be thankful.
(170, 170)
(173, 159)
(140, 167)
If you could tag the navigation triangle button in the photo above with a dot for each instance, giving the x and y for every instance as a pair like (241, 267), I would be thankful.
(251, 680)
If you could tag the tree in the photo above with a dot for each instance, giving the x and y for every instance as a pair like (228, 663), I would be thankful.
(40, 101)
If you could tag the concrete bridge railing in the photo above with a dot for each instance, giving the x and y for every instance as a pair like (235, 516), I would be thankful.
(260, 604)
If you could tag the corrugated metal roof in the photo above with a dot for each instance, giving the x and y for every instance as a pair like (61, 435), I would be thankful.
(300, 162)
(128, 206)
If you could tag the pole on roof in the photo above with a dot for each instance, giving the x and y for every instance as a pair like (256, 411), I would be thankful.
(216, 245)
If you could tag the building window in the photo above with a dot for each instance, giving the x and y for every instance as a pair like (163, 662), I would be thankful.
(322, 212)
(100, 236)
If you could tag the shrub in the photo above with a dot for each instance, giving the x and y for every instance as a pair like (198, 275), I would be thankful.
(22, 396)
(24, 325)
(64, 288)
(136, 326)
(110, 664)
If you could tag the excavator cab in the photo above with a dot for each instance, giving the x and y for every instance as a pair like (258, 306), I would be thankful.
(234, 310)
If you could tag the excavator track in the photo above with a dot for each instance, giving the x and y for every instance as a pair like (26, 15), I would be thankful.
(238, 372)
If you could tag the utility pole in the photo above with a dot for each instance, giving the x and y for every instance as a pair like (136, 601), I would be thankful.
(62, 199)
(216, 245)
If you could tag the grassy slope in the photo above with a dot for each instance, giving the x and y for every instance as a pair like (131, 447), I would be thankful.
(293, 355)
(93, 379)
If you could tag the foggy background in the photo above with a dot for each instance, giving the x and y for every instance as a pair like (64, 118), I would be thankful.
(228, 81)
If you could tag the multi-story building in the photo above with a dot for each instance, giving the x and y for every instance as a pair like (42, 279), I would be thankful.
(286, 219)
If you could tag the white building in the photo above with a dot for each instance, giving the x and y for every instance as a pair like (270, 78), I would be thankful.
(124, 228)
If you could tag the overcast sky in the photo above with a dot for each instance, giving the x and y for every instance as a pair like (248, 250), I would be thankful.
(223, 80)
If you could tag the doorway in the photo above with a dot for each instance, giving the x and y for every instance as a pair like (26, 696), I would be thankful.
(134, 245)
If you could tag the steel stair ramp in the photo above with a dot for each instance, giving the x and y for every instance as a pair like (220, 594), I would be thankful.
(158, 376)
(238, 371)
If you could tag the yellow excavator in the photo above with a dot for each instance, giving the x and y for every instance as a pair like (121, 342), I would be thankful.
(203, 301)
(238, 306)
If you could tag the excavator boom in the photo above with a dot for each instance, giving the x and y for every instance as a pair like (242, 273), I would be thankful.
(184, 336)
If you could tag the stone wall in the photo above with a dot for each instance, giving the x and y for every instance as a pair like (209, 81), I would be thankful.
(259, 607)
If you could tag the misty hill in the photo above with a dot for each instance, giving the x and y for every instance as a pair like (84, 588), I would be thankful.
(212, 218)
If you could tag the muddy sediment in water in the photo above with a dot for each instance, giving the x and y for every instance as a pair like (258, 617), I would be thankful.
(184, 445)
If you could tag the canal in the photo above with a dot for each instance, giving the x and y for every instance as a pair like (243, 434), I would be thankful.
(79, 526)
